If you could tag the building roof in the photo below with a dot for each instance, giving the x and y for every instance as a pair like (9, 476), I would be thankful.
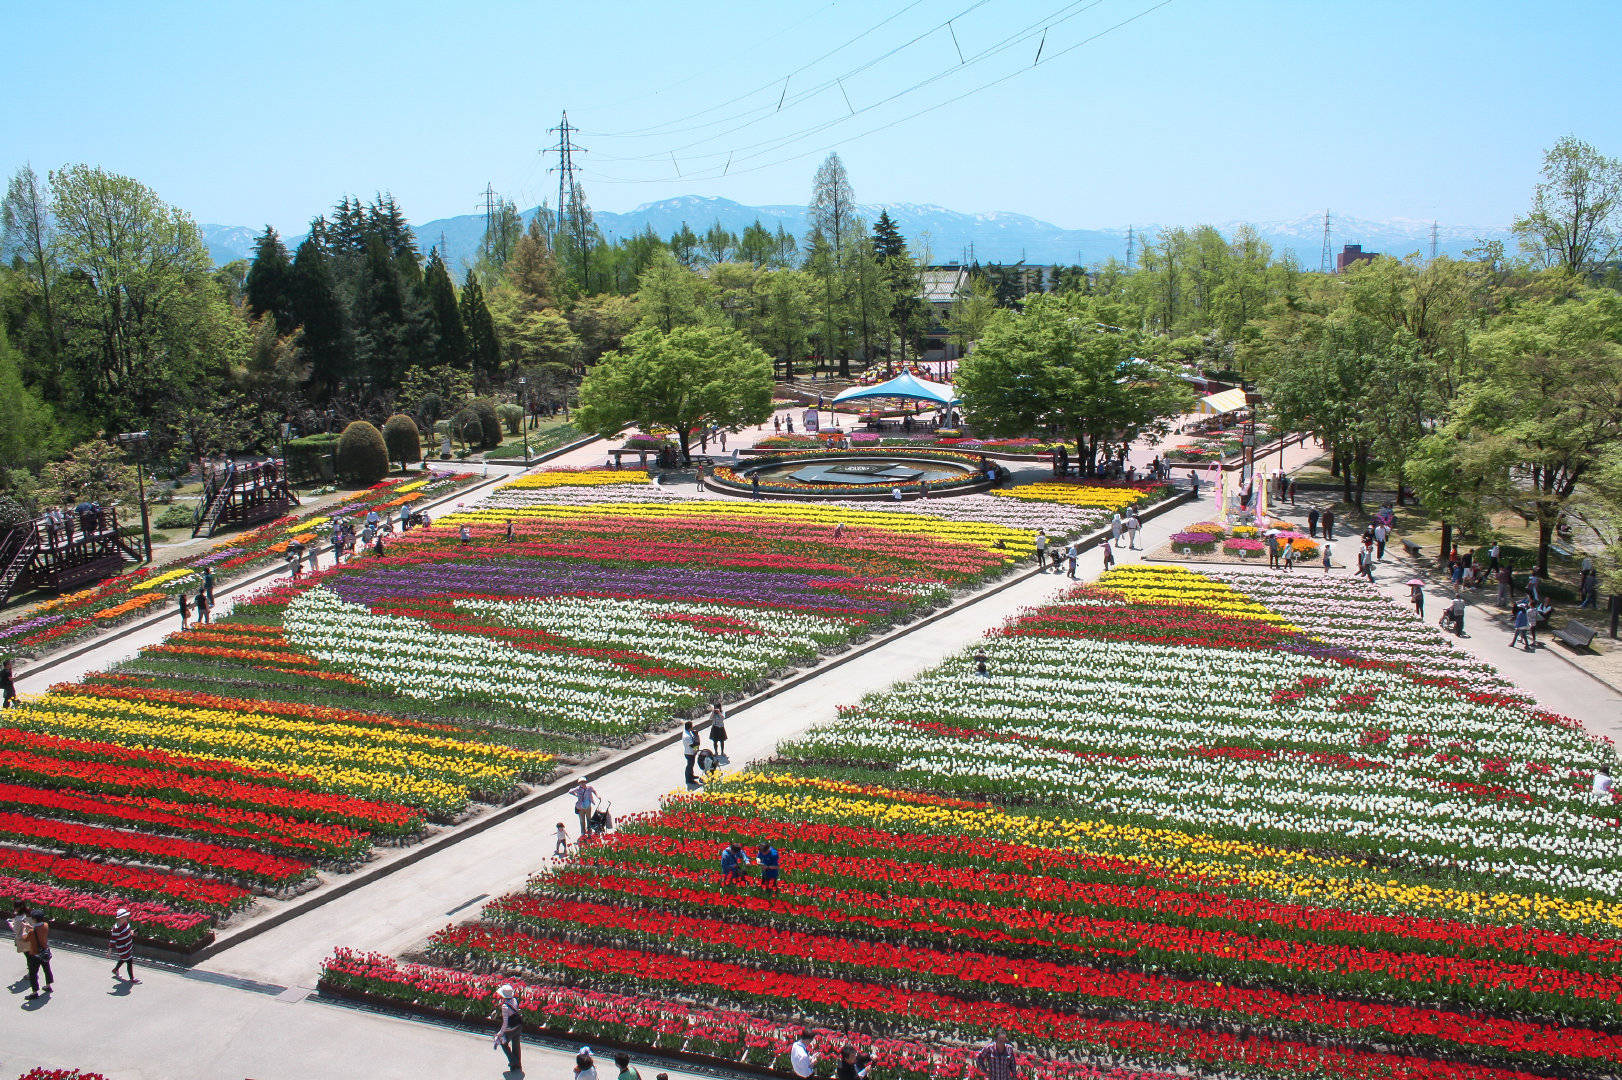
(905, 386)
(1217, 404)
(942, 285)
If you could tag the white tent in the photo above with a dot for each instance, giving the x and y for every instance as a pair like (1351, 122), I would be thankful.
(1219, 404)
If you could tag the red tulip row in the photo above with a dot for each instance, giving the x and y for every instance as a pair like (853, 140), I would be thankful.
(729, 1035)
(153, 922)
(1058, 986)
(55, 761)
(238, 828)
(217, 898)
(883, 1005)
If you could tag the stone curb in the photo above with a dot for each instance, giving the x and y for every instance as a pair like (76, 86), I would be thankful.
(649, 746)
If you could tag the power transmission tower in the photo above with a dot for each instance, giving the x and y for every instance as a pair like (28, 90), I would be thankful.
(489, 218)
(1323, 263)
(569, 187)
(1131, 241)
(1433, 241)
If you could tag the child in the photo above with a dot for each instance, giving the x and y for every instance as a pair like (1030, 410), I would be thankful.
(121, 941)
(561, 848)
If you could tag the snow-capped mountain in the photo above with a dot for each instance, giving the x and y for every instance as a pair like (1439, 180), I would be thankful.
(948, 235)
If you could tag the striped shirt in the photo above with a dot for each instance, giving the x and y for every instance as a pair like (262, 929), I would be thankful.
(123, 940)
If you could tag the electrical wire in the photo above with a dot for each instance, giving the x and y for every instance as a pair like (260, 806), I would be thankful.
(1048, 59)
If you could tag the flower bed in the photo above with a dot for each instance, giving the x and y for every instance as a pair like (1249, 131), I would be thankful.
(1095, 494)
(60, 621)
(739, 482)
(1263, 825)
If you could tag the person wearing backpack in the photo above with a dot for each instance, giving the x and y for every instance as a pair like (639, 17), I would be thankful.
(32, 935)
(509, 1036)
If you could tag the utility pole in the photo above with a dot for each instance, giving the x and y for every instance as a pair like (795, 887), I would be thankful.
(1323, 263)
(1433, 241)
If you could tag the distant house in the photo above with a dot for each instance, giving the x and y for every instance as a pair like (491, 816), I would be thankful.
(942, 286)
(1352, 254)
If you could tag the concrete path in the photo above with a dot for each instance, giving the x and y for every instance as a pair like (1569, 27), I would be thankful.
(196, 1026)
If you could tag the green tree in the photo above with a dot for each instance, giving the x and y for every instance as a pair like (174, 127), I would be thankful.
(28, 433)
(684, 247)
(791, 310)
(601, 322)
(501, 234)
(1573, 221)
(94, 471)
(1062, 366)
(319, 310)
(690, 376)
(27, 235)
(362, 456)
(401, 437)
(1545, 410)
(670, 295)
(836, 233)
(439, 296)
(269, 284)
(756, 246)
(970, 313)
(717, 244)
(483, 346)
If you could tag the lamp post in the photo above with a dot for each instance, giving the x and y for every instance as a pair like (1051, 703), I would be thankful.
(523, 422)
(138, 439)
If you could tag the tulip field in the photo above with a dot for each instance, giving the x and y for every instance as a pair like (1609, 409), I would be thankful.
(374, 702)
(1252, 823)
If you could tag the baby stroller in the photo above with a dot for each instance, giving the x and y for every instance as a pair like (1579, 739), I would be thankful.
(601, 820)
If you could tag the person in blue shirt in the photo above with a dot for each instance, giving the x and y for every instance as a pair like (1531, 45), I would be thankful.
(733, 858)
(770, 866)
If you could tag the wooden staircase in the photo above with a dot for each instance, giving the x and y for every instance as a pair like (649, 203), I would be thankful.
(17, 551)
(62, 559)
(244, 495)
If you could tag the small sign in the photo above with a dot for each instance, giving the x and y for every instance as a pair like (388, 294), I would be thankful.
(813, 420)
(1249, 439)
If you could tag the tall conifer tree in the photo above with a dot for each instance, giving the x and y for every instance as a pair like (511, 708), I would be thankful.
(270, 281)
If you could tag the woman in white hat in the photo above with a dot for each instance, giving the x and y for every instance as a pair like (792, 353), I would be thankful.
(121, 940)
(508, 1035)
(585, 1068)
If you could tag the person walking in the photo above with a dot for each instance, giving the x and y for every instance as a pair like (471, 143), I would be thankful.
(1292, 491)
(203, 607)
(801, 1058)
(1492, 557)
(295, 557)
(996, 1061)
(8, 684)
(560, 846)
(1042, 550)
(34, 942)
(509, 1036)
(1312, 522)
(585, 1066)
(1381, 532)
(1588, 590)
(1506, 585)
(1272, 551)
(1071, 554)
(1532, 583)
(1367, 567)
(1289, 556)
(1523, 628)
(208, 583)
(1109, 557)
(1328, 520)
(689, 751)
(22, 932)
(185, 609)
(1115, 528)
(584, 795)
(1133, 527)
(771, 866)
(1455, 615)
(121, 945)
(1416, 596)
(1328, 551)
(622, 1062)
(718, 729)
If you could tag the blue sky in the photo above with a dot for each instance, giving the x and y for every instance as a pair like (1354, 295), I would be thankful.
(1198, 111)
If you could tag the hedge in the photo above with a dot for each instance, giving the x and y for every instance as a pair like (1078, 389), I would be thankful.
(363, 458)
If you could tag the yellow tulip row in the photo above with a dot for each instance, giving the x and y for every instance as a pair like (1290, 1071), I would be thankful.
(1270, 871)
(582, 478)
(1142, 584)
(984, 534)
(1084, 495)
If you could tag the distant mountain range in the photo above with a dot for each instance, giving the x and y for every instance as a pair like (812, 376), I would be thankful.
(951, 236)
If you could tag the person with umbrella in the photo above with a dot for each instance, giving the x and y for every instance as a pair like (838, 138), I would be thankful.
(1416, 594)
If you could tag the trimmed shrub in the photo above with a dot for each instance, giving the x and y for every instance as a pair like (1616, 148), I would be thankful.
(511, 416)
(490, 422)
(310, 458)
(468, 428)
(363, 457)
(177, 516)
(401, 437)
(431, 408)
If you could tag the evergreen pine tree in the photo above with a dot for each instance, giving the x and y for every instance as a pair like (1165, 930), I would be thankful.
(440, 297)
(684, 245)
(270, 280)
(316, 306)
(483, 348)
(381, 333)
(888, 242)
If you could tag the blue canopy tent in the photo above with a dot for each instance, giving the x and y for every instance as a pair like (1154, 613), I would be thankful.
(904, 386)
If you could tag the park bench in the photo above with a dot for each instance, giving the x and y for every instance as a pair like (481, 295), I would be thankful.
(1576, 634)
(1410, 547)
